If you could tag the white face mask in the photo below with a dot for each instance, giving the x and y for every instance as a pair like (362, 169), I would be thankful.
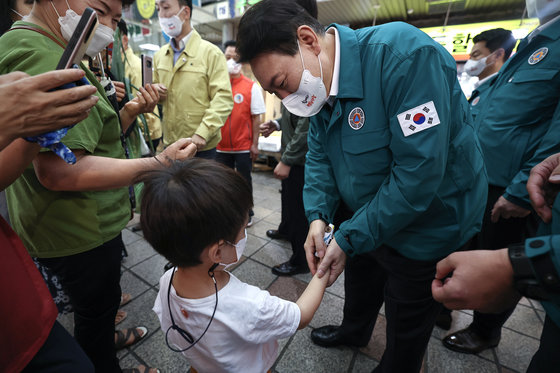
(311, 95)
(101, 39)
(542, 8)
(475, 68)
(234, 68)
(172, 26)
(239, 248)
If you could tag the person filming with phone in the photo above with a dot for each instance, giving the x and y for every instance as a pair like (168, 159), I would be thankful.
(70, 216)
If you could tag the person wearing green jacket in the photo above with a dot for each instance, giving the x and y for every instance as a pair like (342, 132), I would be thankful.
(517, 126)
(496, 279)
(391, 141)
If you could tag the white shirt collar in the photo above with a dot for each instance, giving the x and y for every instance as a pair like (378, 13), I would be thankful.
(541, 28)
(336, 71)
(481, 82)
(183, 42)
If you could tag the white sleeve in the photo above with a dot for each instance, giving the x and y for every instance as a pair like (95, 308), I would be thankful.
(276, 318)
(257, 100)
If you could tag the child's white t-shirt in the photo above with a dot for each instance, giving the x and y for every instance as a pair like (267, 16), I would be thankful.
(243, 335)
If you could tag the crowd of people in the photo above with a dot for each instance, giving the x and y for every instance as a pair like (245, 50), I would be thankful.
(437, 202)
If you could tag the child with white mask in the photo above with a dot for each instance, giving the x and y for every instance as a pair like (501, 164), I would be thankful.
(194, 213)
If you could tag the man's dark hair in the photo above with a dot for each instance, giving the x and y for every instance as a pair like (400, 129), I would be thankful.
(271, 26)
(230, 43)
(192, 205)
(497, 38)
(310, 6)
(187, 3)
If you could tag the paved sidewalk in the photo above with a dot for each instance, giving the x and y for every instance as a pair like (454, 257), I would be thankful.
(143, 268)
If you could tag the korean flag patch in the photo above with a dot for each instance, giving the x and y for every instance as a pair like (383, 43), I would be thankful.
(418, 119)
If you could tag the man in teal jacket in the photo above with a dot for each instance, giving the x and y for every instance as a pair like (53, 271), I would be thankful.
(532, 268)
(393, 143)
(515, 126)
(491, 50)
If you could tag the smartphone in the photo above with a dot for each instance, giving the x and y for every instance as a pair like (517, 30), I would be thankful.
(146, 70)
(79, 42)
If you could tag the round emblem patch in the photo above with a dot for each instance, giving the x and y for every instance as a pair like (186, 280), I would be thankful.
(238, 98)
(475, 101)
(356, 118)
(538, 55)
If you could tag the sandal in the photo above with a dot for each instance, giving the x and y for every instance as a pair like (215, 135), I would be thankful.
(141, 369)
(121, 315)
(125, 298)
(124, 336)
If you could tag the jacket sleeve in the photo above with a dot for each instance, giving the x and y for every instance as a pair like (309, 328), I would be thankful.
(219, 93)
(296, 148)
(320, 194)
(516, 192)
(419, 159)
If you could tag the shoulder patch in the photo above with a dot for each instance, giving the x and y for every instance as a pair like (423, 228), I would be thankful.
(538, 55)
(418, 119)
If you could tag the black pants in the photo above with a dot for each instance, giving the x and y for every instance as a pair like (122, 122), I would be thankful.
(92, 281)
(547, 358)
(294, 223)
(404, 285)
(207, 154)
(238, 161)
(59, 354)
(495, 236)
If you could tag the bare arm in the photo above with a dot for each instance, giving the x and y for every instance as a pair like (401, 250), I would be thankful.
(311, 298)
(99, 173)
(14, 159)
(145, 102)
(257, 120)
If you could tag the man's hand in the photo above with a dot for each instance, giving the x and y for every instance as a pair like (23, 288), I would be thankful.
(254, 152)
(178, 151)
(29, 108)
(481, 280)
(120, 89)
(145, 101)
(282, 171)
(505, 209)
(335, 260)
(199, 142)
(267, 128)
(543, 186)
(314, 243)
(162, 91)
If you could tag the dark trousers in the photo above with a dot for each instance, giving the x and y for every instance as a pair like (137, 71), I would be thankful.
(404, 285)
(59, 354)
(294, 223)
(207, 154)
(495, 236)
(92, 281)
(241, 162)
(547, 358)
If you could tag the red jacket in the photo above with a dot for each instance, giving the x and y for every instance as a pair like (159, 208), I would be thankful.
(237, 132)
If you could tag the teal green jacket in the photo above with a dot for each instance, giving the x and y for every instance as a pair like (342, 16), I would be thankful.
(479, 95)
(550, 235)
(397, 147)
(519, 123)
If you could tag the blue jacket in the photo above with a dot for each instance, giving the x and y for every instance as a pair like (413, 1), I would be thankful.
(519, 123)
(397, 147)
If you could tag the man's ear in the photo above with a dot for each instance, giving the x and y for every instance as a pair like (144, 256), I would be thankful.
(308, 39)
(499, 54)
(188, 14)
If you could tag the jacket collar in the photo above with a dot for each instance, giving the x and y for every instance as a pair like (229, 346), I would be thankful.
(190, 48)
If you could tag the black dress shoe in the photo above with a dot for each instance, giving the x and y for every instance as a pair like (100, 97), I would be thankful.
(275, 235)
(330, 336)
(468, 341)
(288, 269)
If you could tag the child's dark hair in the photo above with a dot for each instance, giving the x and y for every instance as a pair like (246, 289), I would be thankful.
(191, 205)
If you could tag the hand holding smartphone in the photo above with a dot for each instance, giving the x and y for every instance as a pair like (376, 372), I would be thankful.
(79, 42)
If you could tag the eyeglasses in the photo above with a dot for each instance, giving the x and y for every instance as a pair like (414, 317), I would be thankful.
(182, 332)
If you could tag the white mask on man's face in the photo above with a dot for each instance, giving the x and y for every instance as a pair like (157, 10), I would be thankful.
(101, 39)
(239, 249)
(311, 95)
(542, 8)
(475, 68)
(234, 68)
(172, 26)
